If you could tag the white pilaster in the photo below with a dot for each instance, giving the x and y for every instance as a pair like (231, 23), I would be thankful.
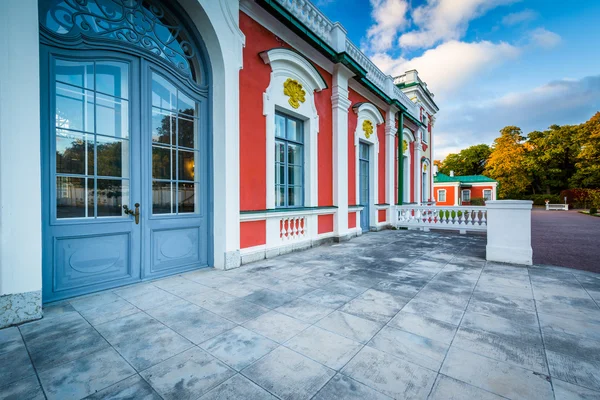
(340, 105)
(390, 157)
(417, 166)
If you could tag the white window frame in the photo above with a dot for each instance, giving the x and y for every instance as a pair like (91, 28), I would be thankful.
(407, 135)
(491, 194)
(440, 192)
(462, 195)
(286, 64)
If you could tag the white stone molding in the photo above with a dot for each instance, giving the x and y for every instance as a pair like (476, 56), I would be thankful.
(509, 231)
(390, 159)
(367, 111)
(286, 64)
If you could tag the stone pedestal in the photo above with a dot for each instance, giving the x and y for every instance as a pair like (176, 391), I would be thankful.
(509, 231)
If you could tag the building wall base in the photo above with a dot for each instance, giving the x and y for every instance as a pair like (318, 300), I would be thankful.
(17, 308)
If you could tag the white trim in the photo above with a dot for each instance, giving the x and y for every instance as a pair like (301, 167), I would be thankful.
(262, 215)
(462, 195)
(286, 64)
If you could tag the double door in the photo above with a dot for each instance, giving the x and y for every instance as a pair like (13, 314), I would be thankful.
(125, 166)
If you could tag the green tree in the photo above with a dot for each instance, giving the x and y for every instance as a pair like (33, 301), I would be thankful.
(507, 163)
(587, 139)
(470, 161)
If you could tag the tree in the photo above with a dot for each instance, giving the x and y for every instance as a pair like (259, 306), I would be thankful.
(587, 139)
(507, 163)
(470, 161)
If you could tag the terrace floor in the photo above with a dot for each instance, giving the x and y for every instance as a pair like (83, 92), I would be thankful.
(394, 314)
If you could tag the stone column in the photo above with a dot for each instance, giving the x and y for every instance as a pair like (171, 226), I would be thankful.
(417, 163)
(340, 105)
(390, 160)
(509, 231)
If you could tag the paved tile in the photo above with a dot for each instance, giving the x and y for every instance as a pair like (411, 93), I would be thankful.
(515, 314)
(237, 310)
(427, 327)
(240, 289)
(153, 299)
(238, 387)
(276, 326)
(502, 326)
(410, 347)
(190, 321)
(331, 350)
(138, 289)
(304, 310)
(288, 374)
(133, 387)
(327, 299)
(187, 375)
(446, 388)
(142, 340)
(375, 305)
(568, 391)
(345, 288)
(343, 387)
(108, 312)
(294, 289)
(268, 298)
(574, 370)
(495, 376)
(350, 326)
(392, 376)
(239, 347)
(15, 363)
(27, 388)
(86, 375)
(440, 312)
(553, 323)
(93, 300)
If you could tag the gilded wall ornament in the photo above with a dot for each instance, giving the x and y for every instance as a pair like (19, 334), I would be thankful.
(404, 146)
(294, 90)
(424, 167)
(367, 128)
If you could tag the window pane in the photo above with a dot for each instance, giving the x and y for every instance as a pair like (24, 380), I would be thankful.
(187, 133)
(112, 156)
(294, 130)
(161, 163)
(279, 173)
(295, 154)
(72, 150)
(279, 152)
(74, 108)
(187, 165)
(70, 197)
(294, 175)
(279, 196)
(112, 78)
(164, 94)
(295, 196)
(279, 126)
(112, 116)
(75, 73)
(112, 196)
(162, 197)
(364, 151)
(163, 127)
(187, 197)
(186, 105)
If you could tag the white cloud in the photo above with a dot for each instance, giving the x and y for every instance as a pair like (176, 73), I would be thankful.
(544, 38)
(443, 20)
(390, 18)
(450, 64)
(519, 17)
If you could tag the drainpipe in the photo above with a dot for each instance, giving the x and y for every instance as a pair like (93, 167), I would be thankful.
(401, 158)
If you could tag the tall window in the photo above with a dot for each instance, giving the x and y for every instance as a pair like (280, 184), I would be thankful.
(442, 195)
(487, 194)
(466, 196)
(289, 161)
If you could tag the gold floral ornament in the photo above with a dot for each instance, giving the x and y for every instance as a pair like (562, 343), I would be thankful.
(424, 167)
(293, 89)
(368, 128)
(404, 146)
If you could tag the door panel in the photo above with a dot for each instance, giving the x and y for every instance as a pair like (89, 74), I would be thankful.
(364, 186)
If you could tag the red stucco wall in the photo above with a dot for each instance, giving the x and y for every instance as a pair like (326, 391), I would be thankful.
(449, 195)
(325, 223)
(253, 233)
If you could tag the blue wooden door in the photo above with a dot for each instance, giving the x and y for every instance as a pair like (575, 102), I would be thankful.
(363, 154)
(119, 132)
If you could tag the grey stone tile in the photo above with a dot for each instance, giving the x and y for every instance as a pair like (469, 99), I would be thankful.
(495, 376)
(446, 388)
(138, 289)
(503, 300)
(238, 387)
(574, 308)
(238, 310)
(170, 282)
(350, 326)
(288, 374)
(458, 301)
(327, 299)
(52, 328)
(131, 388)
(86, 375)
(427, 327)
(504, 290)
(294, 289)
(10, 340)
(159, 342)
(375, 305)
(343, 387)
(517, 315)
(568, 391)
(15, 363)
(276, 326)
(187, 289)
(190, 321)
(305, 310)
(553, 323)
(240, 289)
(392, 376)
(108, 312)
(152, 300)
(572, 345)
(331, 350)
(57, 309)
(314, 280)
(93, 300)
(188, 375)
(27, 388)
(503, 347)
(268, 298)
(410, 347)
(502, 326)
(574, 370)
(344, 288)
(398, 288)
(440, 312)
(239, 347)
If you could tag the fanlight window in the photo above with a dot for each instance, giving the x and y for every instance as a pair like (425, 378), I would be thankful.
(143, 23)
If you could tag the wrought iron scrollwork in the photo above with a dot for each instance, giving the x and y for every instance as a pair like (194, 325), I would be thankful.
(143, 23)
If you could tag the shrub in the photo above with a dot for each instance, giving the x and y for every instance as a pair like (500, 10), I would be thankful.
(477, 201)
(593, 210)
(540, 199)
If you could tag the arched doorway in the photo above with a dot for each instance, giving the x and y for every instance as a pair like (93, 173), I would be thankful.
(126, 149)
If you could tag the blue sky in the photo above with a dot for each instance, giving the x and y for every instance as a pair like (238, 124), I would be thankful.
(490, 63)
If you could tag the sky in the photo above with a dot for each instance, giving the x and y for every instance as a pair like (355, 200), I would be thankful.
(489, 63)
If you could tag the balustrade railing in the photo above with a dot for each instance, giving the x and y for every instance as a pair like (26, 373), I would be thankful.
(310, 16)
(292, 228)
(462, 218)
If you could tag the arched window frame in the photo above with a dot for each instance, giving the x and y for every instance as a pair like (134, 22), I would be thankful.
(426, 181)
(409, 136)
(288, 64)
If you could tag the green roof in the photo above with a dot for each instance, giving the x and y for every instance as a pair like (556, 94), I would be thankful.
(439, 178)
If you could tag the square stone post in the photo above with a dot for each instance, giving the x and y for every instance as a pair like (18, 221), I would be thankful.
(509, 231)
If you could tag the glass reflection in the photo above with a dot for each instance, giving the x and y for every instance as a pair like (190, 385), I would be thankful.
(72, 151)
(76, 73)
(112, 157)
(163, 127)
(74, 108)
(187, 197)
(71, 197)
(162, 198)
(187, 165)
(112, 116)
(161, 162)
(112, 78)
(186, 105)
(112, 194)
(187, 133)
(164, 94)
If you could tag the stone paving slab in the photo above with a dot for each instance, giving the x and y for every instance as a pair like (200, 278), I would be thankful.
(393, 314)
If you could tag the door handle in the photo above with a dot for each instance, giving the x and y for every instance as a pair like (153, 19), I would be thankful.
(136, 214)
